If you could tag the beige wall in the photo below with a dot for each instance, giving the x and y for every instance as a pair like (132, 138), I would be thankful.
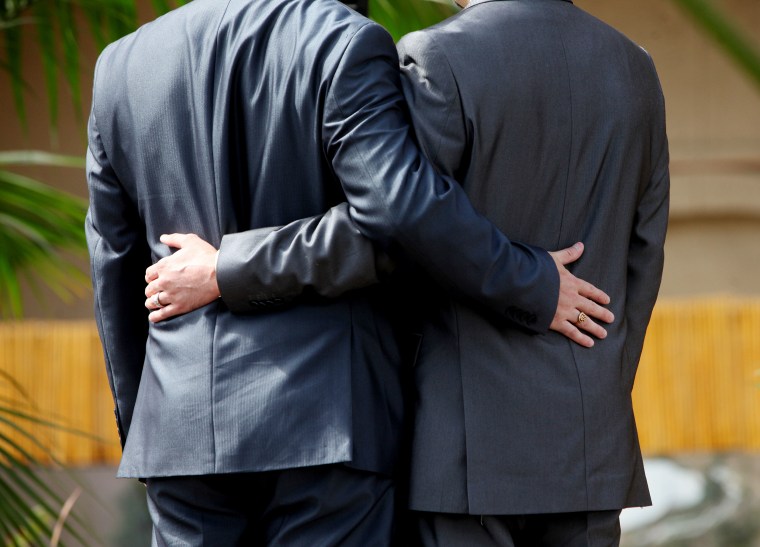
(713, 123)
(714, 130)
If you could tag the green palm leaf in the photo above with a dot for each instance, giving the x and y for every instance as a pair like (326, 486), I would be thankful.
(112, 19)
(44, 18)
(57, 35)
(29, 507)
(70, 66)
(40, 229)
(401, 18)
(727, 35)
(12, 66)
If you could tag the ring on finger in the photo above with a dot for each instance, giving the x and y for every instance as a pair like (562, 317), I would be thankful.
(581, 318)
(156, 300)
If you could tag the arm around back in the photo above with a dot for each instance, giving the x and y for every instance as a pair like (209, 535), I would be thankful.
(325, 254)
(397, 196)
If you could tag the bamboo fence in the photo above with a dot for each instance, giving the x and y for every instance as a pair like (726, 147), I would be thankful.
(698, 385)
(697, 389)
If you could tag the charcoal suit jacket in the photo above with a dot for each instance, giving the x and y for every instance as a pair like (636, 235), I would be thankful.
(226, 116)
(554, 123)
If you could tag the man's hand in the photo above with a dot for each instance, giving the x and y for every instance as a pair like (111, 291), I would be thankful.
(184, 281)
(579, 301)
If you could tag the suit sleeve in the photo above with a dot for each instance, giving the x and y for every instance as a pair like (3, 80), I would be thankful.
(118, 258)
(646, 249)
(396, 197)
(435, 105)
(325, 255)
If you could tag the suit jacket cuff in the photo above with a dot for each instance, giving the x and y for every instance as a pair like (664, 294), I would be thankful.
(541, 296)
(239, 292)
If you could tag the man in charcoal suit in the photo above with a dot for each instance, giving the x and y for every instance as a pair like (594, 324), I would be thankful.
(554, 123)
(223, 117)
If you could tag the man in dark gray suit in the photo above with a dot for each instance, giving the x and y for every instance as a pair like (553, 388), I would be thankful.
(554, 123)
(222, 117)
(540, 433)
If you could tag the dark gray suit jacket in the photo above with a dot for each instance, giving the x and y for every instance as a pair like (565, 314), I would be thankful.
(554, 123)
(225, 116)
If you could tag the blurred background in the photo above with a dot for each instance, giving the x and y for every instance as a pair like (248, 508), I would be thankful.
(697, 392)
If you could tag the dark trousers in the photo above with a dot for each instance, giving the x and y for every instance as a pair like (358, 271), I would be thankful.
(315, 506)
(585, 529)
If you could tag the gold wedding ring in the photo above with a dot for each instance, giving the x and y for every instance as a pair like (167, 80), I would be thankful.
(581, 318)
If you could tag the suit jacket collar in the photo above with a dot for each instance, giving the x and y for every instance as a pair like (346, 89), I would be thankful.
(475, 2)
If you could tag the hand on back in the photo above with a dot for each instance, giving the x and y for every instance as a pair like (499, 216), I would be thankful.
(580, 303)
(183, 281)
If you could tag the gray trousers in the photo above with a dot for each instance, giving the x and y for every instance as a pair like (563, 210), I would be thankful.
(316, 506)
(584, 529)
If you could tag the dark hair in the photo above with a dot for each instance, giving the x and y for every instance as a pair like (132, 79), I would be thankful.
(358, 5)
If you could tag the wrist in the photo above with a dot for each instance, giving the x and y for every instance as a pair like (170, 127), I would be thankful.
(216, 283)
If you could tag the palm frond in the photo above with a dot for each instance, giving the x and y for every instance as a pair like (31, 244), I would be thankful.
(57, 34)
(39, 228)
(161, 6)
(39, 157)
(10, 9)
(30, 508)
(401, 18)
(45, 17)
(726, 34)
(13, 67)
(70, 65)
